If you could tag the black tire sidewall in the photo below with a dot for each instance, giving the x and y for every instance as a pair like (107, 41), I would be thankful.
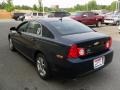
(46, 69)
(13, 48)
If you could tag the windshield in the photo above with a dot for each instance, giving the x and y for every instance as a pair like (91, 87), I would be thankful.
(66, 27)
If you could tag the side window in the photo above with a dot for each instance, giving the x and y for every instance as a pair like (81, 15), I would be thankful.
(46, 32)
(91, 14)
(34, 28)
(34, 14)
(85, 14)
(67, 14)
(22, 27)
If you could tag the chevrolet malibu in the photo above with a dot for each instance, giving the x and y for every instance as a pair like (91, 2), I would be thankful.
(61, 45)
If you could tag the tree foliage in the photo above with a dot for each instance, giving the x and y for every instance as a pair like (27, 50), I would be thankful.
(35, 7)
(40, 5)
(91, 5)
(9, 6)
(113, 6)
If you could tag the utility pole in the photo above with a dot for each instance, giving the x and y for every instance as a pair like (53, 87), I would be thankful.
(118, 5)
(41, 5)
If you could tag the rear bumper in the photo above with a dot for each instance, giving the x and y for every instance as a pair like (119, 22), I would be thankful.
(81, 66)
(109, 22)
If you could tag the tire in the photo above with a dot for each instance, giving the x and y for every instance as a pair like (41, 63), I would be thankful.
(11, 46)
(106, 24)
(42, 67)
(117, 23)
(99, 24)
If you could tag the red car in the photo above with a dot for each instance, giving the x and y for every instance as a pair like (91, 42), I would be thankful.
(88, 18)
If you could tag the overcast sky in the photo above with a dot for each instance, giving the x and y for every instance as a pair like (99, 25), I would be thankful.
(61, 3)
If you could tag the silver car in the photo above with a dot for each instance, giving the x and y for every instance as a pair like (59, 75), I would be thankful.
(113, 19)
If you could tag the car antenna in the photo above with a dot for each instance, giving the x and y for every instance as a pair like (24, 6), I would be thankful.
(61, 18)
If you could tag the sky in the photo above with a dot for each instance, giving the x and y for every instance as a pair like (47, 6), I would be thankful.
(61, 3)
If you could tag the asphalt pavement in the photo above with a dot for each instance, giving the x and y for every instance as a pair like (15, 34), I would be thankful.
(17, 73)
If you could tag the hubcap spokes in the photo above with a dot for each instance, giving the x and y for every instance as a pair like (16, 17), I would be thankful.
(41, 66)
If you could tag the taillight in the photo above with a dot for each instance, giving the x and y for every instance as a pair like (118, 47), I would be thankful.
(108, 43)
(76, 52)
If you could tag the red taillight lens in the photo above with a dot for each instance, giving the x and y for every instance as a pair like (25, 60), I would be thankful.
(76, 52)
(108, 43)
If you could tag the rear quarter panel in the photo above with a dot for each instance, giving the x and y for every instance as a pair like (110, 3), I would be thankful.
(50, 48)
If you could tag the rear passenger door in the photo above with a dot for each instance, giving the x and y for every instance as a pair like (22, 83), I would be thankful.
(32, 35)
(84, 18)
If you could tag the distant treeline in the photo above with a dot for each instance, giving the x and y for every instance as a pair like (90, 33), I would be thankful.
(91, 5)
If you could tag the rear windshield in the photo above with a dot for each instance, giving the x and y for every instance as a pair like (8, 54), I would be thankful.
(34, 14)
(78, 14)
(67, 27)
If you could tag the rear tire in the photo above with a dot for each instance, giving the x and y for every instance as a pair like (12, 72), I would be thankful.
(106, 24)
(42, 67)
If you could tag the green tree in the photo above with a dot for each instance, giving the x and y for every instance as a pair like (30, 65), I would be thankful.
(40, 5)
(92, 5)
(17, 7)
(113, 6)
(9, 6)
(2, 5)
(26, 7)
(35, 7)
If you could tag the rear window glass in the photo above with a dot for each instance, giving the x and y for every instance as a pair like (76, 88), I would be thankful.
(67, 27)
(59, 14)
(40, 14)
(78, 14)
(34, 14)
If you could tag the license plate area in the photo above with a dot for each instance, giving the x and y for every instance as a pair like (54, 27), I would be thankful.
(98, 62)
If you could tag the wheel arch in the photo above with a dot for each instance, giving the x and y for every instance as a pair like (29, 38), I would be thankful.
(8, 36)
(36, 53)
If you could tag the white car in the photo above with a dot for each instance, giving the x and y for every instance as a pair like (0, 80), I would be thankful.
(29, 16)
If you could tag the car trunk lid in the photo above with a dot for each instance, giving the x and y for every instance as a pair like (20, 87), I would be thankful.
(93, 42)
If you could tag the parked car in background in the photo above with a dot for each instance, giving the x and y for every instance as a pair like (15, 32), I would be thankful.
(29, 16)
(58, 14)
(18, 16)
(101, 12)
(88, 18)
(113, 19)
(61, 45)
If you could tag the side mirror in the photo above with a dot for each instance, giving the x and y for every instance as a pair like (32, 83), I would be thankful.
(13, 29)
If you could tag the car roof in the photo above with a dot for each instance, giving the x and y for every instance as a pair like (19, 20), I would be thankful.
(51, 19)
(84, 12)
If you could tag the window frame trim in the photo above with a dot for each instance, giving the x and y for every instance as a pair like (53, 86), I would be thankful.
(23, 23)
(34, 33)
(49, 31)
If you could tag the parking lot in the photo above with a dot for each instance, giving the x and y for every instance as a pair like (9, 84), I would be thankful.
(17, 73)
